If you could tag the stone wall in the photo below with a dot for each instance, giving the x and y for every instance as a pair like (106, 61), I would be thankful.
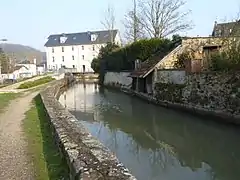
(171, 76)
(194, 45)
(86, 157)
(211, 93)
(120, 78)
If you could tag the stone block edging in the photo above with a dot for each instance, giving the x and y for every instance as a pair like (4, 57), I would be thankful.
(85, 156)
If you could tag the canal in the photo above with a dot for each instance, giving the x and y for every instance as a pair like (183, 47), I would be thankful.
(155, 143)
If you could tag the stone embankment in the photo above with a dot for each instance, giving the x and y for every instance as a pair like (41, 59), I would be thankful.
(214, 95)
(86, 157)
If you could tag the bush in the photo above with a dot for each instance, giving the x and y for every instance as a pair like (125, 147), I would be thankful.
(228, 59)
(182, 60)
(103, 52)
(95, 65)
(123, 58)
(115, 58)
(37, 82)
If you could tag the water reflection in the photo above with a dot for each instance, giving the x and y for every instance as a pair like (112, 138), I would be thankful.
(153, 142)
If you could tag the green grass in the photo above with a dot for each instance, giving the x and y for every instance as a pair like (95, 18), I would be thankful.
(41, 146)
(37, 82)
(5, 98)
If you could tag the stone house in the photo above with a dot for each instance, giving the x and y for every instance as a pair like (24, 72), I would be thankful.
(200, 49)
(226, 29)
(144, 76)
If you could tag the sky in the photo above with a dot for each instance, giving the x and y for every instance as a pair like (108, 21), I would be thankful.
(30, 22)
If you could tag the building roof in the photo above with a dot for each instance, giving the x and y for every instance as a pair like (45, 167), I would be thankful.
(17, 67)
(148, 66)
(82, 38)
(226, 29)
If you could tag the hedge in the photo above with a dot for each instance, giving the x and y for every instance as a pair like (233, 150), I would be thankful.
(37, 82)
(114, 58)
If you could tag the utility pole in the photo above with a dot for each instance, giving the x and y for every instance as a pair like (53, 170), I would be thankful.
(135, 21)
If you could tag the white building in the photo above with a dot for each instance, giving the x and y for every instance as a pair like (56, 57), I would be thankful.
(77, 50)
(18, 72)
(40, 69)
(32, 69)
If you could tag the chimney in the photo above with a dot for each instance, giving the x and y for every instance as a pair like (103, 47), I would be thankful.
(137, 64)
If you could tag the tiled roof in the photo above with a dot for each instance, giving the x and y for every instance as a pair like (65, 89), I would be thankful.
(226, 29)
(82, 38)
(14, 69)
(148, 65)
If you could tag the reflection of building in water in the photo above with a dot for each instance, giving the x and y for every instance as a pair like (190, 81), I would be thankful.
(80, 97)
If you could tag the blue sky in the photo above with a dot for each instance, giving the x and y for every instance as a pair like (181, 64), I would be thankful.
(29, 22)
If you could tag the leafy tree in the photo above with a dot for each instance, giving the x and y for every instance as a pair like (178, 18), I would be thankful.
(4, 62)
(95, 65)
(103, 52)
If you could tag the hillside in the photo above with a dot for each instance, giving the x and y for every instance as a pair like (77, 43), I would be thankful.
(20, 53)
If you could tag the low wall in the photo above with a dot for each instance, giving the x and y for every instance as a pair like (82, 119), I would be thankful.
(120, 78)
(86, 157)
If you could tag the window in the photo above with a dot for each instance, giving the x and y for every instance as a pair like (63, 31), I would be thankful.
(53, 59)
(63, 39)
(83, 57)
(63, 58)
(72, 48)
(73, 66)
(52, 50)
(93, 48)
(82, 47)
(73, 57)
(62, 49)
(93, 37)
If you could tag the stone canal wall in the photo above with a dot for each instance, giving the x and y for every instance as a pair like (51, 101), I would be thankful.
(86, 157)
(211, 93)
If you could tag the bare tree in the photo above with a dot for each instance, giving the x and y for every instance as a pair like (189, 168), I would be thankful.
(133, 25)
(110, 21)
(161, 18)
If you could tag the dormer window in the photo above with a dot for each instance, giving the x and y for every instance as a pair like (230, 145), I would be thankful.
(93, 37)
(63, 39)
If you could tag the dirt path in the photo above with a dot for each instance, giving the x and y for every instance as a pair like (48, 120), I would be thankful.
(14, 163)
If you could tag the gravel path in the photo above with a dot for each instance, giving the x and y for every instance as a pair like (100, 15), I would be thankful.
(14, 163)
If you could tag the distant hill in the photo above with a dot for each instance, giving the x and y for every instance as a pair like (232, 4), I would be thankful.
(21, 53)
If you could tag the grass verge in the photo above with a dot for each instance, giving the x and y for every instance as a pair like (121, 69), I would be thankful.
(37, 82)
(41, 146)
(5, 98)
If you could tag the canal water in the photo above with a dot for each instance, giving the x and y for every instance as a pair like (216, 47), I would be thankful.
(155, 143)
